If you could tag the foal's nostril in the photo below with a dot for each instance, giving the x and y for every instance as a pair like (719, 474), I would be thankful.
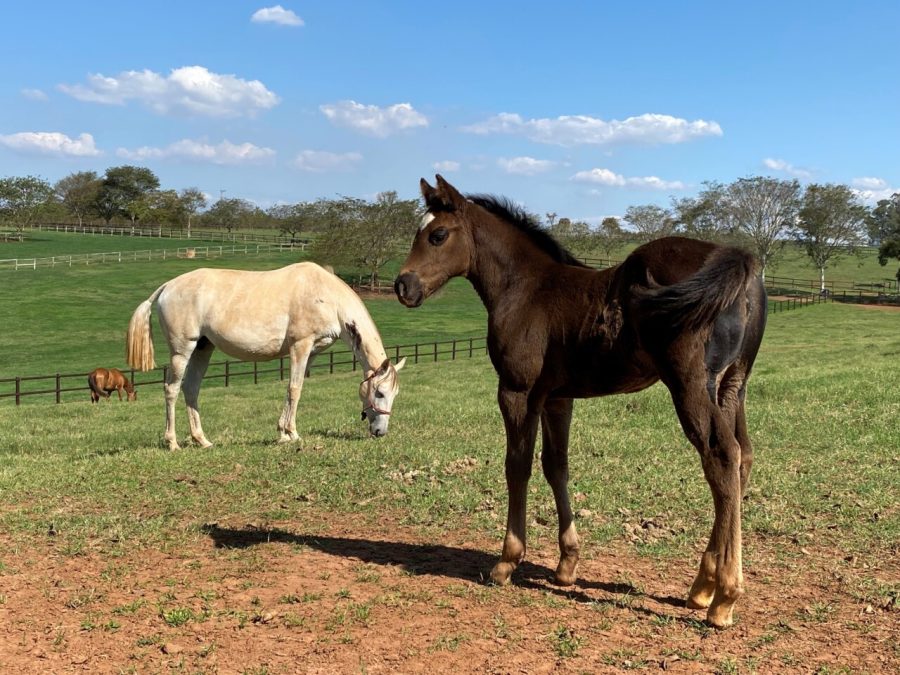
(400, 287)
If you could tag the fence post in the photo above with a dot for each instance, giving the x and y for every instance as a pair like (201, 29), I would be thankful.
(416, 357)
(18, 389)
(435, 351)
(397, 353)
(471, 340)
(281, 368)
(255, 379)
(57, 387)
(331, 363)
(354, 362)
(453, 353)
(227, 372)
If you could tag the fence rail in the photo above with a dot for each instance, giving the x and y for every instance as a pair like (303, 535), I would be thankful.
(159, 232)
(17, 388)
(145, 255)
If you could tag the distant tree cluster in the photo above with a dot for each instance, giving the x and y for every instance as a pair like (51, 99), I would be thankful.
(763, 214)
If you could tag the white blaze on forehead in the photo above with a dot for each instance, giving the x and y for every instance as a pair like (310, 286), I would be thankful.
(427, 218)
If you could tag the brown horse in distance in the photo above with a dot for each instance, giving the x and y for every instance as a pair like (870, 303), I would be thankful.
(687, 312)
(104, 381)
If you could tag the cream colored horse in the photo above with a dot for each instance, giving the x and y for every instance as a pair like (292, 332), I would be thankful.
(298, 310)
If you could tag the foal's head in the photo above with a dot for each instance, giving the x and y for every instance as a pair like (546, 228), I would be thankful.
(443, 246)
(130, 391)
(377, 393)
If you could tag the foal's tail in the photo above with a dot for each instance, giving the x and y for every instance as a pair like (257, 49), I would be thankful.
(139, 342)
(695, 302)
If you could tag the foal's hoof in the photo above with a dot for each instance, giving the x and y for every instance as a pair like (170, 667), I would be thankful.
(721, 618)
(501, 573)
(565, 572)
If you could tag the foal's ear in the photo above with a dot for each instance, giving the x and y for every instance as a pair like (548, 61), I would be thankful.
(444, 197)
(400, 364)
(449, 194)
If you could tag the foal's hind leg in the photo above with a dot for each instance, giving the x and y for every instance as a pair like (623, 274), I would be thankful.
(710, 428)
(193, 378)
(555, 422)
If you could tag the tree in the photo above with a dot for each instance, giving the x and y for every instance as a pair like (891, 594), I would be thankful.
(609, 235)
(192, 200)
(22, 198)
(122, 191)
(294, 219)
(831, 224)
(78, 193)
(707, 215)
(164, 206)
(551, 218)
(650, 221)
(884, 221)
(762, 209)
(574, 235)
(365, 234)
(230, 213)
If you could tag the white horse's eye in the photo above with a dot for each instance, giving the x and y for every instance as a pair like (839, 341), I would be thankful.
(378, 394)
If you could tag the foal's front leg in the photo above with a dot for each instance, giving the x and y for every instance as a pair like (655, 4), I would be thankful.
(555, 422)
(521, 429)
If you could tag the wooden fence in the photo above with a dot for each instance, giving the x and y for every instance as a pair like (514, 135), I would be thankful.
(145, 255)
(17, 388)
(158, 232)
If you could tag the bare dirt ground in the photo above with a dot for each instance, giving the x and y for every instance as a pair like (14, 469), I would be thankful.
(343, 596)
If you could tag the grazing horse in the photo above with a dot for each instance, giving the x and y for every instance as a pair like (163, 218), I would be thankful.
(298, 310)
(689, 313)
(104, 381)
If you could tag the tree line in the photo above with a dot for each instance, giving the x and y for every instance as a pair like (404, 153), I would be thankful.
(829, 221)
(763, 214)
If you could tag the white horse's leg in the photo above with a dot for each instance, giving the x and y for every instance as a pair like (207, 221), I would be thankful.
(193, 377)
(172, 387)
(287, 424)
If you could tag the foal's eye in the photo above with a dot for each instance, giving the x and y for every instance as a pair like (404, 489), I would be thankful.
(438, 236)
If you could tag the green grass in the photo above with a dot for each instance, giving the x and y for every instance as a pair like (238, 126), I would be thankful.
(71, 320)
(823, 412)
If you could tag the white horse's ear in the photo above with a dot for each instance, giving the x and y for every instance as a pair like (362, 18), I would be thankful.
(400, 364)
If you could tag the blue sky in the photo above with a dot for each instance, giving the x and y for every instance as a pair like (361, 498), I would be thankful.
(580, 108)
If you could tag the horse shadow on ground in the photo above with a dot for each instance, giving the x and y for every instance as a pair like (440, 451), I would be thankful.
(434, 560)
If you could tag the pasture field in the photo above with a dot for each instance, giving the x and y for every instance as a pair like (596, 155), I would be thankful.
(341, 553)
(71, 320)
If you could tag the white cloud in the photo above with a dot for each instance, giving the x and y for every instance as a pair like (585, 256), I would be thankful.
(525, 166)
(869, 183)
(51, 143)
(607, 177)
(276, 14)
(35, 95)
(786, 167)
(872, 190)
(320, 161)
(446, 166)
(192, 89)
(225, 152)
(373, 120)
(569, 130)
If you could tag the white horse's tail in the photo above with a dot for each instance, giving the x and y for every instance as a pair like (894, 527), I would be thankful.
(139, 341)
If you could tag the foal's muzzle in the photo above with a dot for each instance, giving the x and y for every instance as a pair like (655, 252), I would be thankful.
(409, 289)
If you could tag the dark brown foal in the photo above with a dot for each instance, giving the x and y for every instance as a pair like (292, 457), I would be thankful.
(686, 312)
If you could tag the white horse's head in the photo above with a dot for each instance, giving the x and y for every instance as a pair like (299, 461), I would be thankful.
(377, 393)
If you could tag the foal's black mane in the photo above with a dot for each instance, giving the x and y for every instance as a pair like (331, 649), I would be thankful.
(517, 216)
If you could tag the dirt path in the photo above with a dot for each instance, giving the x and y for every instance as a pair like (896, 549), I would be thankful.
(358, 599)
